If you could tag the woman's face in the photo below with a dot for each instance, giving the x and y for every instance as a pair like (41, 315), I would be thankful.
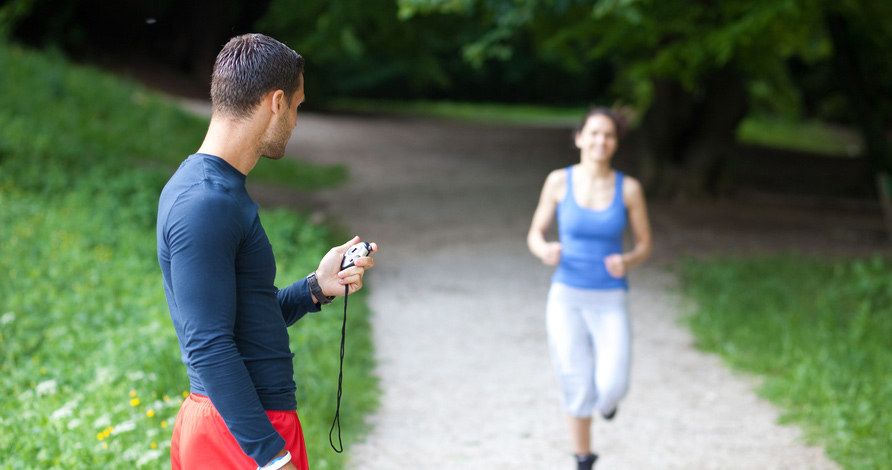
(597, 141)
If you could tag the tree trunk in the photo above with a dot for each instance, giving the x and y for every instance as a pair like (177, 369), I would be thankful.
(687, 140)
(659, 135)
(861, 90)
(712, 140)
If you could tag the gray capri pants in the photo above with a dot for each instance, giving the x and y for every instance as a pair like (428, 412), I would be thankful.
(590, 338)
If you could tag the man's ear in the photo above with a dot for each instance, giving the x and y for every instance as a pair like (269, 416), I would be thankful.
(277, 104)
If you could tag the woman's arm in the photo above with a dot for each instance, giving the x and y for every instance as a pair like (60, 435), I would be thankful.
(636, 206)
(548, 252)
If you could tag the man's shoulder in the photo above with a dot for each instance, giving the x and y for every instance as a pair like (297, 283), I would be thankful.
(191, 194)
(198, 197)
(195, 177)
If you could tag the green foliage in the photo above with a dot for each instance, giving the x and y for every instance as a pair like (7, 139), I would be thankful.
(298, 174)
(780, 49)
(820, 332)
(89, 361)
(11, 13)
(373, 49)
(81, 120)
(84, 323)
(647, 39)
(360, 42)
(82, 117)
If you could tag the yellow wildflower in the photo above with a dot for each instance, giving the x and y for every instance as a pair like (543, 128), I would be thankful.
(132, 393)
(134, 402)
(150, 413)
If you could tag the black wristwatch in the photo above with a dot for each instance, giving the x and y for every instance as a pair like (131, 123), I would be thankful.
(313, 283)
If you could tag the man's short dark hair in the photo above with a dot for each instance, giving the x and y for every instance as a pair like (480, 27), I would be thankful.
(249, 67)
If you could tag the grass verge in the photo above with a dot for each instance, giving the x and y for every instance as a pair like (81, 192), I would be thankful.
(768, 131)
(489, 113)
(89, 361)
(805, 136)
(818, 331)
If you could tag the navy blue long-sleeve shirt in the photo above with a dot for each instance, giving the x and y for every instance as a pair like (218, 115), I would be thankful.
(231, 321)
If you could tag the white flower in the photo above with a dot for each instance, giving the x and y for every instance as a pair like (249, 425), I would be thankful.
(125, 426)
(61, 413)
(102, 422)
(46, 387)
(64, 412)
(104, 375)
(7, 317)
(136, 375)
(149, 456)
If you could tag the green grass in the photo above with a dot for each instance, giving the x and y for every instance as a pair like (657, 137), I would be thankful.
(806, 136)
(818, 331)
(769, 131)
(297, 174)
(490, 113)
(89, 361)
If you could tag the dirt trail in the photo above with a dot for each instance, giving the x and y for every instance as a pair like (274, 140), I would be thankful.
(458, 309)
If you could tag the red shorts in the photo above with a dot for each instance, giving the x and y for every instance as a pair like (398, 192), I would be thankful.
(201, 440)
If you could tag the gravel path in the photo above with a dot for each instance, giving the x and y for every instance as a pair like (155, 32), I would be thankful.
(458, 315)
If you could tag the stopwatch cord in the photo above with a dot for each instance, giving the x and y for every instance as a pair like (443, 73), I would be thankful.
(337, 417)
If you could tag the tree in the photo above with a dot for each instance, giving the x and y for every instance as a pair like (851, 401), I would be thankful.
(698, 67)
(369, 48)
(861, 33)
(186, 35)
(354, 46)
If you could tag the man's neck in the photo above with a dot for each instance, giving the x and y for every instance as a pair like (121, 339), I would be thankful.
(236, 142)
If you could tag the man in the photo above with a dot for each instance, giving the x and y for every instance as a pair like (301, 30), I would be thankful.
(218, 269)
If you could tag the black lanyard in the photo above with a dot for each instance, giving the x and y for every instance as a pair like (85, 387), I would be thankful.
(337, 417)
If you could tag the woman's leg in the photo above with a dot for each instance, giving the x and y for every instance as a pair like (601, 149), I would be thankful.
(572, 355)
(612, 333)
(580, 434)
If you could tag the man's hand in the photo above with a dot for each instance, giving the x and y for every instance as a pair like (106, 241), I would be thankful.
(332, 280)
(288, 466)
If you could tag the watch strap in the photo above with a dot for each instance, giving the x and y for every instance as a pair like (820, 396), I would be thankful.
(316, 290)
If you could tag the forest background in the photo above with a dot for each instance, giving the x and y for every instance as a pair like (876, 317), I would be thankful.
(787, 97)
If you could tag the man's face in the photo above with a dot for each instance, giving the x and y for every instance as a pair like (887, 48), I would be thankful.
(275, 141)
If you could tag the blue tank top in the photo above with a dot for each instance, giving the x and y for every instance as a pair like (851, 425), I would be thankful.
(587, 236)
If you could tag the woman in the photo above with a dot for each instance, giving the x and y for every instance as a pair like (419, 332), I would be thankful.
(589, 331)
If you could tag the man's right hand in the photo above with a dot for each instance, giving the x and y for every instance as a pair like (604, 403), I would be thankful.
(288, 466)
(330, 277)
